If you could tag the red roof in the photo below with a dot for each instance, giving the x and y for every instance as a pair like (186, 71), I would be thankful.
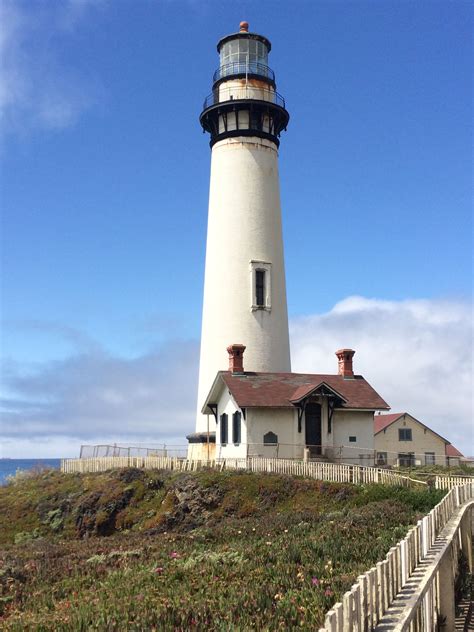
(382, 421)
(452, 451)
(280, 390)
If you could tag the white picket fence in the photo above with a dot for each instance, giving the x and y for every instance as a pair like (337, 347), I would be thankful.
(447, 482)
(330, 472)
(105, 463)
(364, 606)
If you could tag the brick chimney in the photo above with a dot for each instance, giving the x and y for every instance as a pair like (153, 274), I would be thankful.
(236, 358)
(344, 357)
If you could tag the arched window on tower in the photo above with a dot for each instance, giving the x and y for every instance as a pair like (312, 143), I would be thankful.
(260, 288)
(261, 285)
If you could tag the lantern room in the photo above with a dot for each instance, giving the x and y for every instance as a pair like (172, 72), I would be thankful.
(244, 54)
(244, 100)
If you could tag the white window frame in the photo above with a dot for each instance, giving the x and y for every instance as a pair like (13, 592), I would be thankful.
(430, 458)
(267, 268)
(406, 431)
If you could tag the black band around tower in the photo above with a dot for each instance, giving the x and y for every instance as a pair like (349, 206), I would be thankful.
(216, 116)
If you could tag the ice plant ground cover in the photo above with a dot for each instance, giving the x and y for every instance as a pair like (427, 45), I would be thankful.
(134, 550)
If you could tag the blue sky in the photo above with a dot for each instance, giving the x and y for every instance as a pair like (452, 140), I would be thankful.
(105, 176)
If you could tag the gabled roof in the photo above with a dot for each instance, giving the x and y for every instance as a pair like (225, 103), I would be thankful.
(452, 451)
(285, 390)
(381, 422)
(304, 391)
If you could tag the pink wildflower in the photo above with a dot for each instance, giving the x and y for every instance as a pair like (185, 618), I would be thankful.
(315, 581)
(174, 555)
(328, 592)
(159, 570)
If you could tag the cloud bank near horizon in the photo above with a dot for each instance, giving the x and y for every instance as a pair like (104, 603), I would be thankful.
(416, 353)
(93, 395)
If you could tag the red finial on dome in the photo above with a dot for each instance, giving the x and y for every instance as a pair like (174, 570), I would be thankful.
(244, 27)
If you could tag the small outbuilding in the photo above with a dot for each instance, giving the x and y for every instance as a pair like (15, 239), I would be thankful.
(290, 415)
(401, 439)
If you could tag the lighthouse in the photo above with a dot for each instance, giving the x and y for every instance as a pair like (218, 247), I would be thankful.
(244, 287)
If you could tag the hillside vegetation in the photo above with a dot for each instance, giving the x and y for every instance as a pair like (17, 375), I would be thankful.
(134, 550)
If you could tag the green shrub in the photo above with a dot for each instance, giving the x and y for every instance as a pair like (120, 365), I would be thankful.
(26, 536)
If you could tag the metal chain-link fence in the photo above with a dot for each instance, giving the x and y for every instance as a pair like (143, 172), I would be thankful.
(162, 449)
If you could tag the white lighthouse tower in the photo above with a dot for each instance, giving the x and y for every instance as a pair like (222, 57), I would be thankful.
(244, 288)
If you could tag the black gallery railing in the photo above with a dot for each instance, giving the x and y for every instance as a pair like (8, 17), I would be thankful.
(244, 68)
(237, 93)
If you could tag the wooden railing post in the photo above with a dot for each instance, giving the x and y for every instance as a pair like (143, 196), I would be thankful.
(446, 591)
(466, 537)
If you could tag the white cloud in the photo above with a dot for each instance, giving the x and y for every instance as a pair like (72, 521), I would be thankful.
(95, 394)
(37, 88)
(416, 353)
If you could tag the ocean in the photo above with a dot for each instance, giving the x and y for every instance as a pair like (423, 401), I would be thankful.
(10, 466)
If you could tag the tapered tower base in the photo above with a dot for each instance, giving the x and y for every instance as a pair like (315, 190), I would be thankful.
(244, 237)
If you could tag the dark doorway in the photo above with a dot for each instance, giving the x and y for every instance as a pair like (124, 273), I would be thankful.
(313, 427)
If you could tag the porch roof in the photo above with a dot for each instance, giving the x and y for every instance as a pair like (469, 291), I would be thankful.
(304, 391)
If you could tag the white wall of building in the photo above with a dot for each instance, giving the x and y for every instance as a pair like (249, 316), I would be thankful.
(244, 226)
(281, 421)
(358, 424)
(226, 404)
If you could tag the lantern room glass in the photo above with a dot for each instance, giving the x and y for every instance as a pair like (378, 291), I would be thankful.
(244, 51)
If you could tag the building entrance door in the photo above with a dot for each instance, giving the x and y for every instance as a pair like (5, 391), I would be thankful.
(313, 428)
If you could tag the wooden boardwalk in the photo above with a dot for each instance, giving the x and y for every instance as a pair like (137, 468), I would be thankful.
(416, 604)
(465, 618)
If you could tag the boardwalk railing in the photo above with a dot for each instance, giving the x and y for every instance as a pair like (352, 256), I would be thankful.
(436, 539)
(429, 603)
(322, 471)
